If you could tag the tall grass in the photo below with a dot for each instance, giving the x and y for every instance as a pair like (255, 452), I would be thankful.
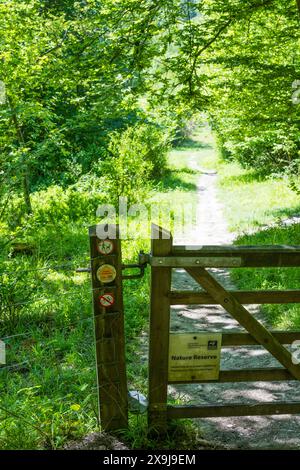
(48, 392)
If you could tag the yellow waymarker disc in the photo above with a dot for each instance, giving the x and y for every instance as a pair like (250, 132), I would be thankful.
(106, 273)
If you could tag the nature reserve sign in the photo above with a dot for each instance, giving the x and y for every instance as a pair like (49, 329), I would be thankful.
(194, 356)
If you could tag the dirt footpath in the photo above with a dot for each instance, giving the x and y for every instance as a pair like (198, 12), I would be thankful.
(261, 432)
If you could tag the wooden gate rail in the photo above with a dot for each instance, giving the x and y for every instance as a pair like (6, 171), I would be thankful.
(164, 257)
(246, 375)
(230, 257)
(244, 297)
(235, 409)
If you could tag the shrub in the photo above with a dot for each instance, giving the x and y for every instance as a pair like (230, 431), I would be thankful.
(57, 205)
(293, 174)
(134, 157)
(270, 152)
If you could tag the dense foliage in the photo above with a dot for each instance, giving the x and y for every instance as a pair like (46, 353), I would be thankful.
(75, 71)
(71, 77)
(254, 73)
(93, 94)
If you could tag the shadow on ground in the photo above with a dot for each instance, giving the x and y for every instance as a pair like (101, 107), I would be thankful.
(172, 181)
(192, 144)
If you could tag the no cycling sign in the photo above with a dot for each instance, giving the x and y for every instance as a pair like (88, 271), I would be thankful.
(107, 300)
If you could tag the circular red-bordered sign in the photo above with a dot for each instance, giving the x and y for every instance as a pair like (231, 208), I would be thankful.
(107, 300)
(105, 247)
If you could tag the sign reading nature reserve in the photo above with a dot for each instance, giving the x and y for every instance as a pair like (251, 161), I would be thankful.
(194, 356)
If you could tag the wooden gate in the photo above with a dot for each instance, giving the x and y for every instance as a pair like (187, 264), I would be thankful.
(165, 256)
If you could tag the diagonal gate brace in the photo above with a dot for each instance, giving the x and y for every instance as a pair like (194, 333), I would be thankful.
(245, 319)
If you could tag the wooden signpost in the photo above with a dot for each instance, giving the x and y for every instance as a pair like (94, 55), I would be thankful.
(106, 269)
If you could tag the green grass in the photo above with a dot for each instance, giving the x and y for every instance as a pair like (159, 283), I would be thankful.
(180, 181)
(255, 207)
(250, 200)
(184, 436)
(280, 316)
(50, 397)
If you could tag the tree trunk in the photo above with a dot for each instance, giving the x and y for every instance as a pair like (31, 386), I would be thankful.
(26, 191)
(25, 172)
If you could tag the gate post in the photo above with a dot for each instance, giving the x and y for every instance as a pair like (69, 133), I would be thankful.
(106, 269)
(161, 245)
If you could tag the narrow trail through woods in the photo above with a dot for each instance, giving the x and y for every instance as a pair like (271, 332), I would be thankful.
(258, 432)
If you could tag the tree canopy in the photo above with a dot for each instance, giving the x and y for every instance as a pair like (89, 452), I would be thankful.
(75, 71)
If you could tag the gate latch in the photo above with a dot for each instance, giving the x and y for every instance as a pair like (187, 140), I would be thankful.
(143, 260)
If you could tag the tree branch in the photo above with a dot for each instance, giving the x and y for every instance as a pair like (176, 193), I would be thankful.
(21, 139)
(57, 46)
(234, 17)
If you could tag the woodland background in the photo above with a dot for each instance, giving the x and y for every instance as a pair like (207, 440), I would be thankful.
(101, 99)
